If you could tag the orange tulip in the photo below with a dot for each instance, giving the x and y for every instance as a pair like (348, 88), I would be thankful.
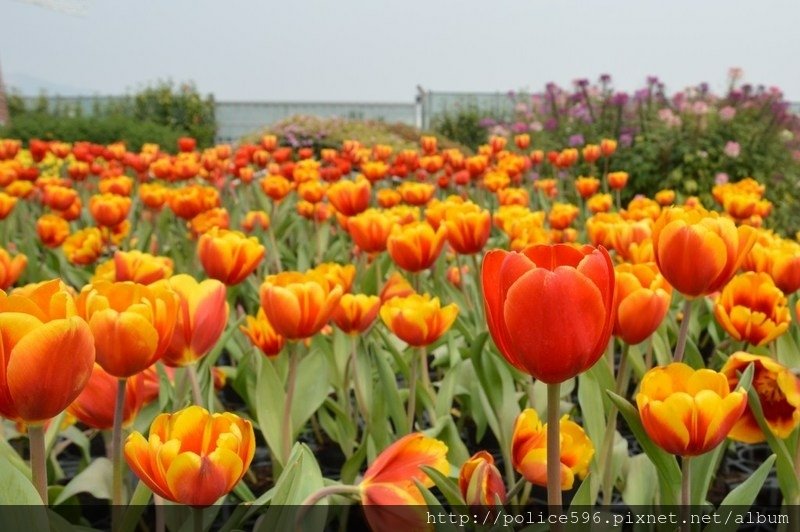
(355, 313)
(52, 230)
(132, 323)
(416, 246)
(416, 193)
(617, 180)
(350, 197)
(591, 152)
(255, 220)
(641, 299)
(121, 185)
(7, 204)
(192, 457)
(95, 405)
(665, 197)
(468, 230)
(513, 196)
(229, 256)
(43, 366)
(550, 308)
(480, 481)
(417, 319)
(778, 392)
(389, 482)
(778, 257)
(698, 251)
(396, 286)
(298, 305)
(752, 309)
(562, 215)
(608, 147)
(374, 170)
(599, 203)
(262, 335)
(312, 191)
(59, 197)
(153, 195)
(523, 141)
(135, 266)
(109, 210)
(388, 197)
(370, 230)
(529, 449)
(11, 269)
(688, 412)
(587, 186)
(201, 319)
(83, 247)
(336, 274)
(189, 201)
(207, 220)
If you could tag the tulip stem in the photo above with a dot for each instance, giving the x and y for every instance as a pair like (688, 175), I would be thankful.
(327, 491)
(683, 333)
(197, 396)
(288, 430)
(476, 267)
(38, 460)
(412, 392)
(553, 447)
(426, 384)
(197, 519)
(116, 455)
(607, 451)
(686, 489)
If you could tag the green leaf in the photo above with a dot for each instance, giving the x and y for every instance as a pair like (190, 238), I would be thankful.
(95, 480)
(669, 474)
(269, 406)
(641, 480)
(583, 497)
(745, 493)
(16, 488)
(390, 394)
(139, 501)
(312, 389)
(704, 467)
(446, 485)
(787, 351)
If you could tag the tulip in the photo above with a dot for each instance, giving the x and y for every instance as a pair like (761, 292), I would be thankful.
(95, 405)
(83, 247)
(192, 457)
(189, 201)
(641, 299)
(52, 230)
(587, 186)
(255, 220)
(529, 453)
(132, 323)
(480, 482)
(388, 197)
(617, 180)
(561, 215)
(752, 309)
(513, 196)
(370, 230)
(298, 305)
(665, 197)
(153, 195)
(201, 319)
(523, 141)
(59, 197)
(229, 256)
(355, 313)
(135, 266)
(416, 193)
(688, 412)
(11, 269)
(396, 286)
(208, 220)
(416, 246)
(262, 335)
(557, 300)
(276, 187)
(389, 482)
(778, 392)
(608, 147)
(336, 274)
(350, 197)
(467, 230)
(698, 251)
(417, 319)
(109, 210)
(591, 152)
(599, 203)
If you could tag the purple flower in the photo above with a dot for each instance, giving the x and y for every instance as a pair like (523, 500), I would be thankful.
(576, 140)
(551, 124)
(487, 122)
(732, 149)
(625, 140)
(619, 99)
(519, 127)
(652, 80)
(641, 95)
(581, 83)
(605, 78)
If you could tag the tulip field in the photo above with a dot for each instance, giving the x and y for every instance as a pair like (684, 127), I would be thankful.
(364, 334)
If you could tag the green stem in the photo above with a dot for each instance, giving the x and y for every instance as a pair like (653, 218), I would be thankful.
(116, 456)
(686, 490)
(158, 502)
(38, 460)
(197, 519)
(197, 396)
(412, 392)
(553, 447)
(607, 450)
(426, 384)
(683, 333)
(327, 491)
(476, 272)
(288, 432)
(361, 400)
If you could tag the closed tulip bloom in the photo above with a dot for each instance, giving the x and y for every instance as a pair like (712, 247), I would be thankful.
(83, 247)
(388, 197)
(416, 193)
(350, 197)
(132, 323)
(688, 412)
(562, 215)
(617, 180)
(752, 309)
(109, 210)
(778, 257)
(416, 246)
(192, 457)
(189, 201)
(608, 147)
(778, 392)
(255, 220)
(698, 251)
(11, 269)
(665, 197)
(202, 316)
(52, 230)
(591, 152)
(43, 366)
(46, 300)
(298, 305)
(336, 274)
(396, 286)
(529, 449)
(138, 267)
(642, 298)
(513, 196)
(587, 186)
(417, 319)
(550, 308)
(468, 232)
(208, 220)
(153, 195)
(480, 481)
(370, 230)
(59, 197)
(94, 407)
(7, 204)
(229, 256)
(262, 334)
(356, 312)
(276, 187)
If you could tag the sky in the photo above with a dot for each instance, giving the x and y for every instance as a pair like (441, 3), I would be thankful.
(381, 50)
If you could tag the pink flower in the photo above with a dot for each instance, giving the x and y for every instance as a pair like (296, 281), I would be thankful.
(732, 149)
(721, 178)
(727, 113)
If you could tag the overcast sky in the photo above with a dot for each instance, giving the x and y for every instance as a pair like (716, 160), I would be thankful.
(380, 50)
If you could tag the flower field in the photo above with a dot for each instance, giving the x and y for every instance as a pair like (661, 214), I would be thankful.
(240, 329)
